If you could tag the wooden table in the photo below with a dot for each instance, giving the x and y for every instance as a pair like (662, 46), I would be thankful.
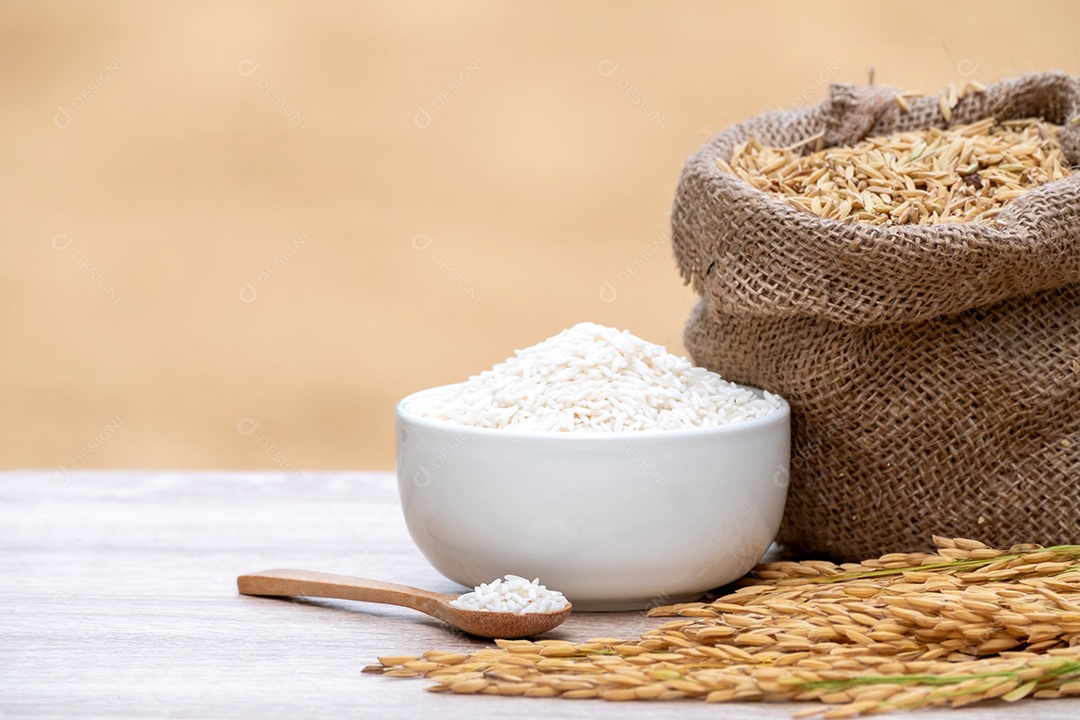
(120, 601)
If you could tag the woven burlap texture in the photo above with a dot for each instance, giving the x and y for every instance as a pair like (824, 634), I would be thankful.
(933, 371)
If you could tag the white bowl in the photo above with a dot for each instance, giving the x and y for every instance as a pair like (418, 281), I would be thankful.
(615, 521)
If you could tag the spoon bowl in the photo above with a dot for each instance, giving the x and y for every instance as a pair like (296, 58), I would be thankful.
(482, 623)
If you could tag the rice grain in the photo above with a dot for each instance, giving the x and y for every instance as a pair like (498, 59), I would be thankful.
(964, 173)
(950, 637)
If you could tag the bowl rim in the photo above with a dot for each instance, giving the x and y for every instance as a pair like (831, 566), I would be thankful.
(401, 411)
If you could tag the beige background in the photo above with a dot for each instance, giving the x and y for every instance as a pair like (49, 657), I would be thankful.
(404, 192)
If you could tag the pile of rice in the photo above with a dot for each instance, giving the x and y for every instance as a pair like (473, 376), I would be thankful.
(514, 594)
(595, 378)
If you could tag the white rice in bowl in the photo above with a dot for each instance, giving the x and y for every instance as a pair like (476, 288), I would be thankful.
(594, 378)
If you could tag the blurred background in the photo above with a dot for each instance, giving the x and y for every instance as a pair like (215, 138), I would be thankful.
(236, 233)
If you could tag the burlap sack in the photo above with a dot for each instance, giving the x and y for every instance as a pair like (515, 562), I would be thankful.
(933, 371)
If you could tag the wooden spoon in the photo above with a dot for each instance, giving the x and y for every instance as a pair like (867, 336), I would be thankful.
(290, 583)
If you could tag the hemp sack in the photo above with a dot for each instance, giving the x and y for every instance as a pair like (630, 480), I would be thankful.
(933, 370)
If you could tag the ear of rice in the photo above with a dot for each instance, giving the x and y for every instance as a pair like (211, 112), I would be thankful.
(899, 632)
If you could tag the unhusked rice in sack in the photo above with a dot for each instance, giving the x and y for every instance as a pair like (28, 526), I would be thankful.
(933, 370)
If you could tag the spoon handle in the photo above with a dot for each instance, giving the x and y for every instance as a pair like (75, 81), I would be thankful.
(307, 583)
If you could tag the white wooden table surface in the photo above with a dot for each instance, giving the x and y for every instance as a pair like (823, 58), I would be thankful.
(119, 601)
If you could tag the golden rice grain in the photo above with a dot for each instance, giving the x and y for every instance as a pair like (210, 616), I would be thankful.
(900, 632)
(961, 174)
(389, 660)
